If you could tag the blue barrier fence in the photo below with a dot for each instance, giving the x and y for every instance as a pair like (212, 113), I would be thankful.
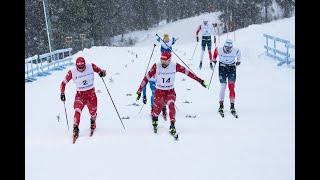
(280, 49)
(44, 64)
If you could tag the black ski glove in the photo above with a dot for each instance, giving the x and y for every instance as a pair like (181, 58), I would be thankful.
(138, 95)
(144, 100)
(62, 97)
(214, 39)
(204, 84)
(237, 63)
(102, 73)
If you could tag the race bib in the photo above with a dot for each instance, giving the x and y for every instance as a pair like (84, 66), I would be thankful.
(165, 77)
(83, 80)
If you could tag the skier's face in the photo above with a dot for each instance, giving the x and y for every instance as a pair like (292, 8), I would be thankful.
(165, 63)
(227, 48)
(81, 68)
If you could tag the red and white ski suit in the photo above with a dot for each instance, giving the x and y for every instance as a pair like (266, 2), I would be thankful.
(164, 93)
(85, 94)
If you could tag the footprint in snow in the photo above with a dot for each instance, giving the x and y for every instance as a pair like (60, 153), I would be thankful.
(191, 116)
(187, 102)
(133, 104)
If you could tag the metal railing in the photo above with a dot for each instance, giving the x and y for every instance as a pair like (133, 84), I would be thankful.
(44, 64)
(282, 52)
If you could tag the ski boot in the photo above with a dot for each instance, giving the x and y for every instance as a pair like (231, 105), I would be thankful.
(172, 128)
(200, 65)
(155, 124)
(221, 109)
(92, 125)
(164, 113)
(75, 132)
(144, 99)
(211, 66)
(233, 110)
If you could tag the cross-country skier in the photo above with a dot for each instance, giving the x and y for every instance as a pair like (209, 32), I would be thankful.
(164, 47)
(169, 42)
(229, 58)
(83, 77)
(164, 73)
(206, 31)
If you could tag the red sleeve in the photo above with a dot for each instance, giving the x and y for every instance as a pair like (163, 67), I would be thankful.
(182, 69)
(215, 54)
(145, 80)
(65, 81)
(96, 68)
(198, 30)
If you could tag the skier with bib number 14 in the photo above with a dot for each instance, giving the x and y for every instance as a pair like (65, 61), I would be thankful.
(164, 73)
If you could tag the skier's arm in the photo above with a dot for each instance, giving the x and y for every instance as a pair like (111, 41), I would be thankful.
(65, 81)
(98, 70)
(185, 71)
(145, 80)
(198, 30)
(215, 55)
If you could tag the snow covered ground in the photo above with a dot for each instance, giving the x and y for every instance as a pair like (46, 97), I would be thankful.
(257, 146)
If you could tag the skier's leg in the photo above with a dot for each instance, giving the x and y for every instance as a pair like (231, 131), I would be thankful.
(210, 54)
(232, 94)
(92, 106)
(164, 112)
(209, 49)
(170, 101)
(231, 84)
(157, 106)
(157, 103)
(222, 92)
(203, 46)
(152, 101)
(223, 83)
(77, 106)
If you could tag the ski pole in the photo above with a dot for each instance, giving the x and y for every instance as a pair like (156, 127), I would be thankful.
(65, 110)
(154, 45)
(212, 75)
(141, 108)
(194, 50)
(176, 55)
(113, 102)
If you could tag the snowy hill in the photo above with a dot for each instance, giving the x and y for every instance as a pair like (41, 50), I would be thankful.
(258, 145)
